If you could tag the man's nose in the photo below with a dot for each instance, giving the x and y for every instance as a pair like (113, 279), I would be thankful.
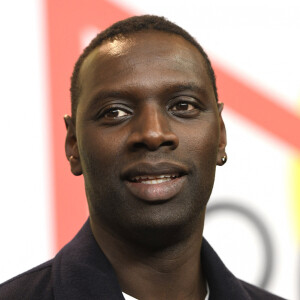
(152, 130)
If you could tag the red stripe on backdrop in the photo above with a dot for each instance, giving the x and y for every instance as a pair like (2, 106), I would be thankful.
(66, 21)
(258, 108)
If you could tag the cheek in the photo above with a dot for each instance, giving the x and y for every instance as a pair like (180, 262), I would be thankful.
(99, 150)
(200, 147)
(202, 142)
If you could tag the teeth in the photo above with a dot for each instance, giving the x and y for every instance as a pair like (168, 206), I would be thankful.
(154, 179)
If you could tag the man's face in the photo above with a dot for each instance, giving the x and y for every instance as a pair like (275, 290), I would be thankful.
(148, 133)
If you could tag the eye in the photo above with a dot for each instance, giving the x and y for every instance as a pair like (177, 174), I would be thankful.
(115, 113)
(185, 107)
(182, 106)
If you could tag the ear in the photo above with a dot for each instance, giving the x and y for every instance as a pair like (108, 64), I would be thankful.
(222, 156)
(71, 147)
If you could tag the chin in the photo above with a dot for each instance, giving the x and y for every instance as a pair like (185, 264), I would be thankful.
(153, 226)
(161, 227)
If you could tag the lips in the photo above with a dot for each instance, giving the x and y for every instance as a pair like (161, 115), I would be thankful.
(155, 182)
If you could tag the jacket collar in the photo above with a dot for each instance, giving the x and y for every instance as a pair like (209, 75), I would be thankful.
(222, 283)
(81, 271)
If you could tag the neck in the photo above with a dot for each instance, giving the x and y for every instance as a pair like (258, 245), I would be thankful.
(171, 272)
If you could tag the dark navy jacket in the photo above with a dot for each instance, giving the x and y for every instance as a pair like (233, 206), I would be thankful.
(81, 271)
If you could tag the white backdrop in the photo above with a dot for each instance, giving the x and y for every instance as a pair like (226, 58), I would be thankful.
(258, 42)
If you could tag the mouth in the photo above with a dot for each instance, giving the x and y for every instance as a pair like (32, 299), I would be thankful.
(155, 182)
(148, 179)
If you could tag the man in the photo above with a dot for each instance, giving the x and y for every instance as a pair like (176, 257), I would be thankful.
(146, 132)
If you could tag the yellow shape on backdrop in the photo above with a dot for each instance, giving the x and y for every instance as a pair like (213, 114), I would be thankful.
(296, 193)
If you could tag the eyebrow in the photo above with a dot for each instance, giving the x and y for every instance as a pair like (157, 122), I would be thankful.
(167, 89)
(105, 94)
(176, 88)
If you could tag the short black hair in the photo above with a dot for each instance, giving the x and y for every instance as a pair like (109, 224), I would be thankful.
(129, 26)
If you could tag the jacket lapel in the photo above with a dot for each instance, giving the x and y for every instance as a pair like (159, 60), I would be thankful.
(81, 271)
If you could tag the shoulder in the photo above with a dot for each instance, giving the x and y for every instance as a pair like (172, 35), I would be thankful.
(33, 284)
(257, 293)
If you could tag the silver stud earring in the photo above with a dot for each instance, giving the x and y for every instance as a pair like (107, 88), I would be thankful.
(224, 159)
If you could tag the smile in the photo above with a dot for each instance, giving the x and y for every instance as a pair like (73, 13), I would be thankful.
(147, 179)
(156, 189)
(155, 182)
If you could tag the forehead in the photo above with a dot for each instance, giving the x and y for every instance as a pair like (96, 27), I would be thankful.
(143, 58)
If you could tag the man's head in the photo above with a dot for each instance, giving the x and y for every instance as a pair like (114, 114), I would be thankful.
(124, 28)
(147, 137)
